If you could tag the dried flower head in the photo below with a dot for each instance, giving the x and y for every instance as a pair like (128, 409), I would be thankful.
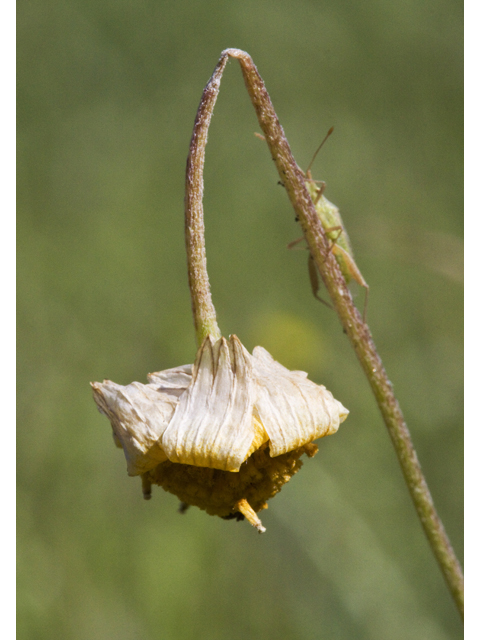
(224, 434)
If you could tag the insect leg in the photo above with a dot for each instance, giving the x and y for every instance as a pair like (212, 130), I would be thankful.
(294, 243)
(314, 281)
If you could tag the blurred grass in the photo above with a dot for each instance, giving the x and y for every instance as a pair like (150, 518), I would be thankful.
(107, 94)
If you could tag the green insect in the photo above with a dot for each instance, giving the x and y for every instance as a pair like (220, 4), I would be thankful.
(332, 223)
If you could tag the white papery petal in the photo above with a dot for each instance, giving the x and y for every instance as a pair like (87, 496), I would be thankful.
(292, 409)
(212, 425)
(173, 381)
(217, 412)
(139, 415)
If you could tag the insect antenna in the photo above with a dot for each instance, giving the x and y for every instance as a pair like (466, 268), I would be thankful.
(329, 133)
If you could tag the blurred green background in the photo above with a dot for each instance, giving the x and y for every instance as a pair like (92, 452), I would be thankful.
(107, 96)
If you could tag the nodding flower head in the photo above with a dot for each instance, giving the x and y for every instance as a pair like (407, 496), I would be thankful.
(224, 434)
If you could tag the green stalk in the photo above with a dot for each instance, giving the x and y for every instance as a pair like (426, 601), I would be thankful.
(355, 328)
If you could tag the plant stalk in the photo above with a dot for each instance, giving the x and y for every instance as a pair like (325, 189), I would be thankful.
(204, 316)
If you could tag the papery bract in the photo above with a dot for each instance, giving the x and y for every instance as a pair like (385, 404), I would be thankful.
(215, 415)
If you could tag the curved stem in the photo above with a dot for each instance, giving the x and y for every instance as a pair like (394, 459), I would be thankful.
(204, 316)
(355, 328)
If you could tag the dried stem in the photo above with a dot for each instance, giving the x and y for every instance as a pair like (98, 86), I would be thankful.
(204, 316)
(355, 328)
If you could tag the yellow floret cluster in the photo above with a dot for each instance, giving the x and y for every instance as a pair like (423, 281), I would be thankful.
(217, 492)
